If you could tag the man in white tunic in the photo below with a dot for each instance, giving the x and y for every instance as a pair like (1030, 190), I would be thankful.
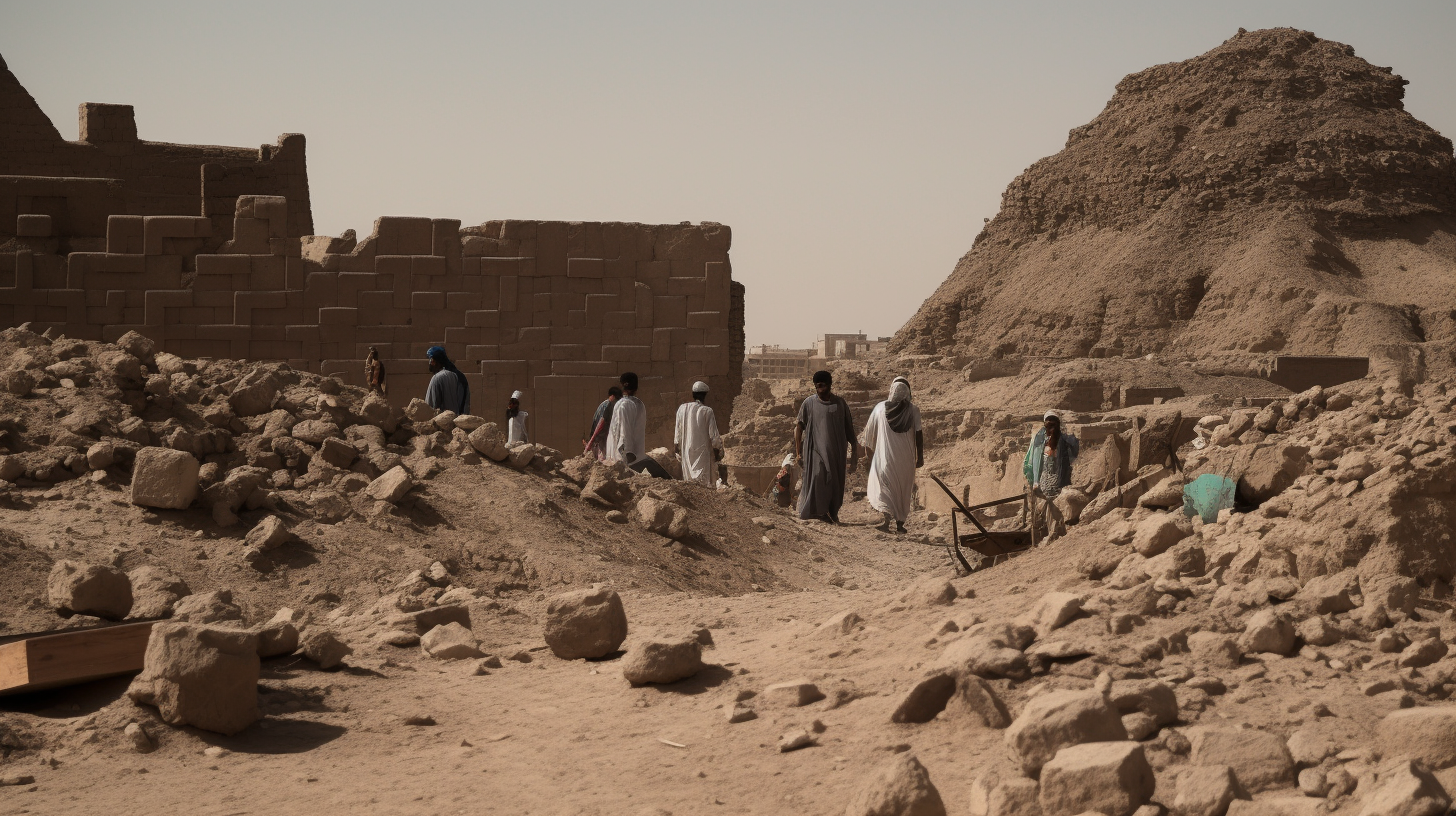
(896, 448)
(696, 439)
(627, 436)
(516, 421)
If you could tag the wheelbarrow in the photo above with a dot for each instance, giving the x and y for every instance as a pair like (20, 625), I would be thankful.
(992, 547)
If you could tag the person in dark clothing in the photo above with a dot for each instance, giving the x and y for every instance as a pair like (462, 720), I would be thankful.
(825, 425)
(448, 390)
(596, 439)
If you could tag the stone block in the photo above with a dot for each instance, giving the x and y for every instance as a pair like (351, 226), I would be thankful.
(164, 478)
(30, 225)
(1107, 777)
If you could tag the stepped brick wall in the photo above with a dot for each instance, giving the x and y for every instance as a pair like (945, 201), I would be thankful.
(208, 251)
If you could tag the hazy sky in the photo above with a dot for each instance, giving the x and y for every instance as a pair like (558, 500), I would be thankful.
(854, 148)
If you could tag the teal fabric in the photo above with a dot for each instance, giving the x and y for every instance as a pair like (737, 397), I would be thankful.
(1207, 495)
(1067, 449)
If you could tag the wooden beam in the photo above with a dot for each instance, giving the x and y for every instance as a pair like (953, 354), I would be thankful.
(47, 661)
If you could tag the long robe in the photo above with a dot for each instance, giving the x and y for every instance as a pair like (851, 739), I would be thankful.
(696, 435)
(891, 487)
(628, 431)
(516, 429)
(446, 392)
(828, 427)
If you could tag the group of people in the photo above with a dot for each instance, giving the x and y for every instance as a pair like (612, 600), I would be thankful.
(892, 440)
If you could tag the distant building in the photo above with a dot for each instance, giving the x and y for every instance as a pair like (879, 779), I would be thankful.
(848, 346)
(775, 363)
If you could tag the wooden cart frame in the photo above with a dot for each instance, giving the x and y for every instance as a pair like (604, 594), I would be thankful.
(994, 546)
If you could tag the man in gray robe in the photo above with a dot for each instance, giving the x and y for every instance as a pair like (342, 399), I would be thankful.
(823, 430)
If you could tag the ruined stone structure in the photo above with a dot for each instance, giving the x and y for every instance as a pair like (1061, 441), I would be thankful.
(207, 250)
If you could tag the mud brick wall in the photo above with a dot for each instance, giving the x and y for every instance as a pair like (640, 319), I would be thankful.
(38, 166)
(555, 309)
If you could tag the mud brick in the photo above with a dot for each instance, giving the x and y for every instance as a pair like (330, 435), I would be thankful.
(462, 301)
(585, 268)
(398, 265)
(130, 264)
(706, 320)
(654, 271)
(273, 350)
(224, 264)
(619, 321)
(576, 318)
(251, 233)
(103, 314)
(482, 352)
(338, 316)
(686, 286)
(541, 304)
(302, 334)
(461, 336)
(125, 234)
(508, 289)
(627, 354)
(427, 300)
(268, 272)
(500, 266)
(550, 248)
(32, 225)
(596, 368)
(571, 351)
(429, 265)
(344, 334)
(670, 310)
(158, 300)
(295, 271)
(245, 302)
(445, 237)
(470, 267)
(619, 268)
(482, 318)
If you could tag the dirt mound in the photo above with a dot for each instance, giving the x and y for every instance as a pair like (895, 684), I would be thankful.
(1269, 195)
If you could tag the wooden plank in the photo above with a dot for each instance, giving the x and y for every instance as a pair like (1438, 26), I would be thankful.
(48, 661)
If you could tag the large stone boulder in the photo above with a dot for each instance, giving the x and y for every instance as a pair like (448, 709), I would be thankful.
(1156, 533)
(585, 623)
(208, 607)
(164, 478)
(1108, 777)
(1405, 788)
(663, 660)
(662, 517)
(1206, 790)
(89, 589)
(202, 676)
(1427, 734)
(155, 591)
(1268, 631)
(450, 641)
(254, 394)
(1060, 719)
(1271, 470)
(899, 787)
(490, 441)
(392, 486)
(1260, 760)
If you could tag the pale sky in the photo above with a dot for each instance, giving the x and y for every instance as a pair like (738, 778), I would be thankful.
(854, 148)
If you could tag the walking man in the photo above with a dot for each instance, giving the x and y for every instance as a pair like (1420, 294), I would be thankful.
(448, 390)
(823, 429)
(596, 436)
(516, 421)
(696, 439)
(896, 447)
(1048, 469)
(374, 372)
(627, 434)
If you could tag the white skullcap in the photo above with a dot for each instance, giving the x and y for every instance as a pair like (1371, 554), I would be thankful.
(789, 460)
(1050, 415)
(700, 387)
(516, 395)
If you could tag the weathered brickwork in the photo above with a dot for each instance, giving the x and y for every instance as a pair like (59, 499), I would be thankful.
(552, 308)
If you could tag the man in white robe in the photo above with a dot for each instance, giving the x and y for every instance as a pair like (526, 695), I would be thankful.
(696, 439)
(627, 436)
(896, 448)
(516, 421)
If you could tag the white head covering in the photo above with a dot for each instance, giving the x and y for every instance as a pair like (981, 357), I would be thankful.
(899, 391)
(515, 395)
(789, 460)
(700, 387)
(1051, 415)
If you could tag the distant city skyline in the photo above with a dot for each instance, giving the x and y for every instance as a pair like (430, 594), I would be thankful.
(854, 148)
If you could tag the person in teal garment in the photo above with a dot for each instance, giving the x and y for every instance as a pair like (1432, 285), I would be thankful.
(1048, 469)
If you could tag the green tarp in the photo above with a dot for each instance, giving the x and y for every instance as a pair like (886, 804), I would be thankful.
(1207, 495)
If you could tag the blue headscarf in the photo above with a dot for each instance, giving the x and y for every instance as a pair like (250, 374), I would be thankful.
(437, 353)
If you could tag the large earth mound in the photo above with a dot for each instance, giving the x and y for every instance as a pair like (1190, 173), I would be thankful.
(1271, 195)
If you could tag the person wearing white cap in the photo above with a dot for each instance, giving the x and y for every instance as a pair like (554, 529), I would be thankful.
(1048, 469)
(516, 421)
(782, 491)
(696, 439)
(627, 433)
(893, 440)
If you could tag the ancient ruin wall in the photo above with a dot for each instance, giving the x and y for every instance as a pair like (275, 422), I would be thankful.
(555, 309)
(109, 170)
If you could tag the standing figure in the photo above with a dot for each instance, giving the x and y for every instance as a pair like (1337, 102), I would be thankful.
(896, 447)
(696, 439)
(627, 434)
(1048, 469)
(374, 372)
(782, 491)
(823, 429)
(516, 421)
(448, 390)
(596, 436)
